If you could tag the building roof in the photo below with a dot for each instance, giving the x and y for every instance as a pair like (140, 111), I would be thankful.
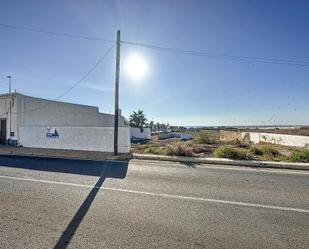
(38, 98)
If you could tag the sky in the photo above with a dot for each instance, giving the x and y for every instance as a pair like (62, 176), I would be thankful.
(180, 89)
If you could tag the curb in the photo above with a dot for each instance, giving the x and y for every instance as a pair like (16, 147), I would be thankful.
(224, 161)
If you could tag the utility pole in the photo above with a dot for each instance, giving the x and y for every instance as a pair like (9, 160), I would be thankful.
(9, 77)
(117, 94)
(10, 117)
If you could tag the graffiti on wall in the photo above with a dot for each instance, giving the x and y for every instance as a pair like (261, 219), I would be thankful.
(50, 134)
(271, 139)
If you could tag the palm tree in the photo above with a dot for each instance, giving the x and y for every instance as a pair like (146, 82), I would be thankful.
(138, 119)
(158, 127)
(151, 125)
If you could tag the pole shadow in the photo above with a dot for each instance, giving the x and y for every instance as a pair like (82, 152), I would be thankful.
(70, 230)
(103, 169)
(114, 169)
(190, 164)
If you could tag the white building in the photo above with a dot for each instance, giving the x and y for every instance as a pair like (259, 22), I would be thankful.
(21, 114)
(136, 133)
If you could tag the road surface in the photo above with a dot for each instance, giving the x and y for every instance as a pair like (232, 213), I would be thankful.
(49, 203)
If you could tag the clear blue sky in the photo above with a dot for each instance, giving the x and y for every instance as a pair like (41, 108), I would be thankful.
(179, 89)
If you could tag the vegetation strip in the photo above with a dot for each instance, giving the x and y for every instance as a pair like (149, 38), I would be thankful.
(208, 143)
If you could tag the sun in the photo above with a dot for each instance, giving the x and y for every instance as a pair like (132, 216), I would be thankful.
(136, 67)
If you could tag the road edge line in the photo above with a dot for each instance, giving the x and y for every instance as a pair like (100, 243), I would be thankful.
(164, 195)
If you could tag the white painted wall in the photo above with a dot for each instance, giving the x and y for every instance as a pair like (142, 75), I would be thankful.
(107, 120)
(38, 112)
(184, 136)
(31, 111)
(136, 132)
(42, 112)
(288, 140)
(76, 138)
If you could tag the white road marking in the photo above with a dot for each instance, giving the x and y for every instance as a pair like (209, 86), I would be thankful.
(191, 198)
(138, 162)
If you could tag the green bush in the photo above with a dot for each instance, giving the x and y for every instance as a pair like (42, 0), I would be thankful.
(154, 150)
(256, 150)
(269, 149)
(207, 137)
(301, 155)
(179, 149)
(282, 158)
(227, 151)
(268, 152)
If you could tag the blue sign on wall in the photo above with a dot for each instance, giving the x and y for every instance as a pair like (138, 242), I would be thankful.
(50, 134)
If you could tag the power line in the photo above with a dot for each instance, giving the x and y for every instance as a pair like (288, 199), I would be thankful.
(86, 75)
(221, 56)
(72, 87)
(171, 49)
(54, 33)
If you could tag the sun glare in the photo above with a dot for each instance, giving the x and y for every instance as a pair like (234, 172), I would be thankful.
(136, 67)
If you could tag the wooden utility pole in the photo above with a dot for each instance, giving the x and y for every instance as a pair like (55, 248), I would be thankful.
(117, 94)
(10, 78)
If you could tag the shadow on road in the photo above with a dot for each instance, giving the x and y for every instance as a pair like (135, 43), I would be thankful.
(70, 230)
(190, 164)
(114, 169)
(103, 169)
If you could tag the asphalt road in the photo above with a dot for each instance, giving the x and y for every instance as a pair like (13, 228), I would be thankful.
(72, 204)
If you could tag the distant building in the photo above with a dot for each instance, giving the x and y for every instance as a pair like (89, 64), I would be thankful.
(19, 111)
(168, 135)
(137, 134)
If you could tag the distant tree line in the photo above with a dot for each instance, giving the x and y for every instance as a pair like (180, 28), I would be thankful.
(138, 119)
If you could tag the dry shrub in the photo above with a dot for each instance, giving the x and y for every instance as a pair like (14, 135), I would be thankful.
(241, 143)
(202, 148)
(179, 149)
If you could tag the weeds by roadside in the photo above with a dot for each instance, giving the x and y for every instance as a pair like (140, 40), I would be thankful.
(154, 150)
(301, 155)
(179, 149)
(227, 151)
(206, 144)
(207, 137)
(266, 152)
